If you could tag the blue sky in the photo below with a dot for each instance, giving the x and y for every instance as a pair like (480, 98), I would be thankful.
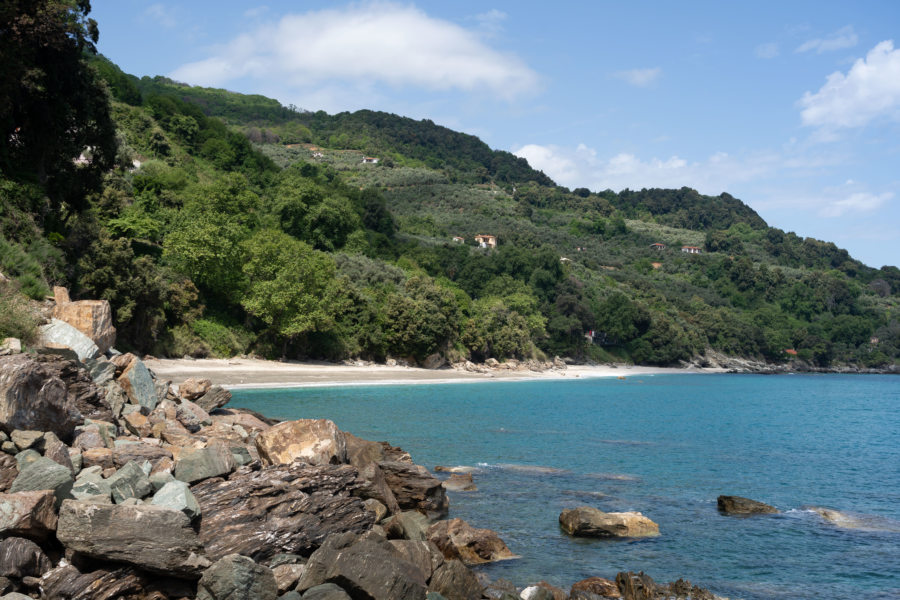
(793, 107)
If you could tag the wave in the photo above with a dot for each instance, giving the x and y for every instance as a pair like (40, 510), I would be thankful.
(613, 476)
(857, 521)
(530, 469)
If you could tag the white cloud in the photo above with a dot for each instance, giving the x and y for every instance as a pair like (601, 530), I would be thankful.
(845, 37)
(769, 50)
(491, 22)
(869, 90)
(162, 15)
(855, 203)
(640, 77)
(364, 45)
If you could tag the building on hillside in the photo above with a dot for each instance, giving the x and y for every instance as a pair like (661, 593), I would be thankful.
(691, 249)
(458, 239)
(370, 160)
(486, 241)
(658, 246)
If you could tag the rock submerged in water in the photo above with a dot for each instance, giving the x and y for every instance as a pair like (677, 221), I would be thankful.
(586, 521)
(736, 505)
(458, 540)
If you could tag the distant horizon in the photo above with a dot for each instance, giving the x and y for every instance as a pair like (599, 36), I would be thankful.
(790, 109)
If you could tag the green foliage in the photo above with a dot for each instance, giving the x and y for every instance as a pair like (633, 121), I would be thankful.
(16, 319)
(223, 339)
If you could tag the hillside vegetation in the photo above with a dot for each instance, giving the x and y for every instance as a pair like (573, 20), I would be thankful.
(218, 224)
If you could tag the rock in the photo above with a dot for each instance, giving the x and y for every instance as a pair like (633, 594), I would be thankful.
(455, 581)
(28, 514)
(593, 588)
(287, 576)
(31, 397)
(122, 583)
(196, 464)
(154, 538)
(434, 361)
(22, 558)
(192, 416)
(59, 334)
(361, 453)
(89, 436)
(424, 555)
(313, 441)
(456, 539)
(58, 452)
(102, 457)
(215, 397)
(115, 398)
(137, 424)
(90, 484)
(26, 457)
(139, 452)
(326, 591)
(536, 592)
(586, 521)
(377, 488)
(194, 388)
(10, 345)
(137, 383)
(100, 369)
(376, 508)
(44, 474)
(365, 569)
(27, 439)
(129, 482)
(410, 525)
(736, 505)
(460, 482)
(9, 470)
(8, 447)
(236, 577)
(177, 495)
(93, 318)
(263, 511)
(500, 589)
(158, 480)
(642, 587)
(415, 488)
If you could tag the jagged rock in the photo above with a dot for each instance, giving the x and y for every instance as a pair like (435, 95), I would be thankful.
(736, 505)
(100, 369)
(415, 488)
(90, 484)
(598, 587)
(424, 555)
(361, 453)
(326, 591)
(10, 345)
(287, 576)
(236, 577)
(191, 415)
(177, 495)
(44, 474)
(31, 397)
(365, 569)
(89, 436)
(459, 540)
(93, 318)
(59, 334)
(28, 514)
(500, 589)
(313, 441)
(377, 488)
(102, 457)
(215, 397)
(154, 538)
(193, 388)
(123, 453)
(129, 482)
(24, 439)
(56, 451)
(137, 383)
(460, 482)
(26, 457)
(376, 508)
(9, 470)
(642, 587)
(233, 416)
(455, 581)
(196, 464)
(263, 511)
(137, 424)
(586, 521)
(410, 525)
(115, 398)
(542, 589)
(242, 456)
(22, 558)
(123, 583)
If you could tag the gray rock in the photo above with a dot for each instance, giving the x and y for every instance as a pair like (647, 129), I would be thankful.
(44, 474)
(736, 505)
(33, 397)
(215, 397)
(26, 457)
(129, 482)
(154, 538)
(101, 369)
(115, 397)
(410, 525)
(56, 451)
(25, 439)
(138, 385)
(58, 334)
(415, 488)
(191, 415)
(158, 480)
(326, 591)
(15, 596)
(285, 558)
(423, 555)
(91, 485)
(9, 447)
(376, 508)
(197, 464)
(236, 577)
(241, 456)
(76, 459)
(292, 595)
(28, 514)
(177, 495)
(22, 558)
(454, 580)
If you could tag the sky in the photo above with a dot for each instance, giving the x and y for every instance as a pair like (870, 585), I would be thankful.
(793, 107)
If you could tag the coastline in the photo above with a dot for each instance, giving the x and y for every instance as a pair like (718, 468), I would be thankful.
(247, 373)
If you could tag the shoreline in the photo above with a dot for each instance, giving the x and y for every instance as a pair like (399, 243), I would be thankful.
(247, 373)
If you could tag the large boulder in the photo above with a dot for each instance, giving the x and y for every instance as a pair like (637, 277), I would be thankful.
(93, 318)
(736, 505)
(129, 482)
(586, 521)
(22, 558)
(111, 583)
(454, 581)
(177, 495)
(594, 587)
(59, 334)
(263, 511)
(154, 538)
(408, 525)
(236, 577)
(31, 397)
(459, 540)
(215, 397)
(197, 464)
(193, 388)
(415, 488)
(137, 383)
(313, 441)
(44, 474)
(28, 514)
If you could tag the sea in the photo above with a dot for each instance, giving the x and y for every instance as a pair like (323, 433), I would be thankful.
(666, 446)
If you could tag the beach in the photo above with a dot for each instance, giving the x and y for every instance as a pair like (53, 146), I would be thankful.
(237, 373)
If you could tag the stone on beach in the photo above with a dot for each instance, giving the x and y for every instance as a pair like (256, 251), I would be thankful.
(137, 382)
(586, 521)
(313, 441)
(736, 505)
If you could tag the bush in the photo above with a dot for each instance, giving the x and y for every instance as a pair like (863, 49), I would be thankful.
(16, 319)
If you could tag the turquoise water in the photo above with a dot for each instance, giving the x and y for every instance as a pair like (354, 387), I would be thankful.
(666, 446)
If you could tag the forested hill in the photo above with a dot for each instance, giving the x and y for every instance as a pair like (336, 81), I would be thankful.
(218, 224)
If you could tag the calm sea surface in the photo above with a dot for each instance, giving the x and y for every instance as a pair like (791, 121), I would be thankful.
(666, 446)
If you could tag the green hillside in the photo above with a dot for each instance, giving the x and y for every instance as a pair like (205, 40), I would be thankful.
(217, 224)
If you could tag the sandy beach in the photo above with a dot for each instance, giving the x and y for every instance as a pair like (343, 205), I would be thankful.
(234, 373)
